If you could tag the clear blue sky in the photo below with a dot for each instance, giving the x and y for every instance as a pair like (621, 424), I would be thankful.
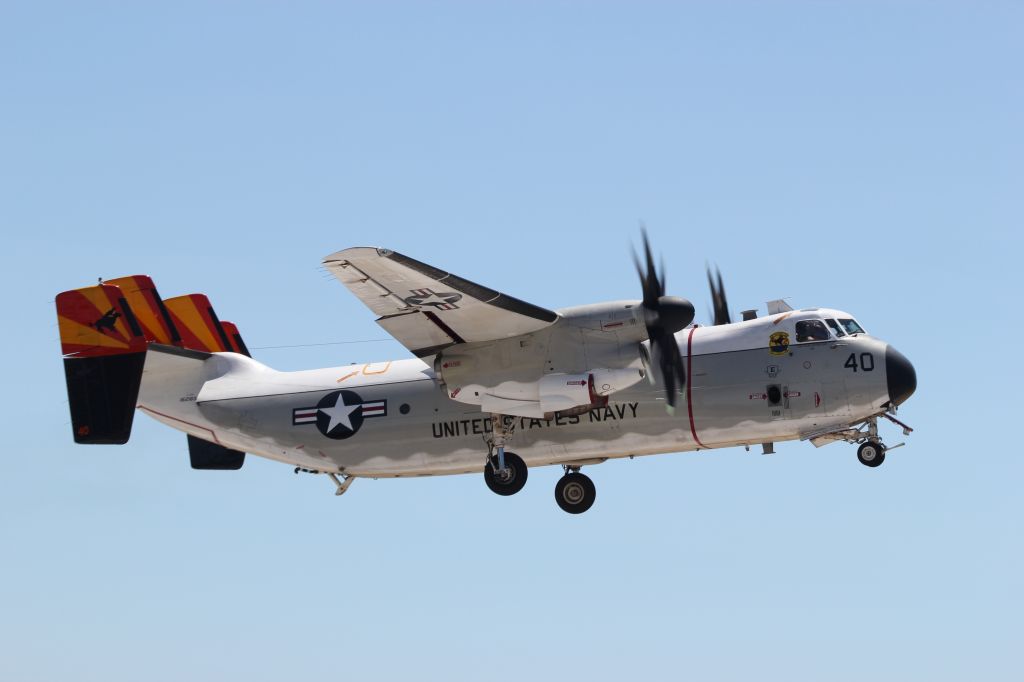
(866, 156)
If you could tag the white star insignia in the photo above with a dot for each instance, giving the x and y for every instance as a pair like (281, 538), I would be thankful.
(340, 414)
(433, 300)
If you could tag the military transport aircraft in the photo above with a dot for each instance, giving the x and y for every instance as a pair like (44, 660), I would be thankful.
(492, 374)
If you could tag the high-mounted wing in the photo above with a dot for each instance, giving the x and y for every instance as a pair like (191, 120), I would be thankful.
(427, 309)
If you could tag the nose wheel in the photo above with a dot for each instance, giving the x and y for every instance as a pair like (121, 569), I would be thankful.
(575, 493)
(871, 453)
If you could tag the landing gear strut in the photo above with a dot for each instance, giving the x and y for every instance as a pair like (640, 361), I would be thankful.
(511, 480)
(504, 472)
(872, 450)
(575, 492)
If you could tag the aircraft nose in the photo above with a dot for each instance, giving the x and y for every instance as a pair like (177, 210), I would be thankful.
(899, 375)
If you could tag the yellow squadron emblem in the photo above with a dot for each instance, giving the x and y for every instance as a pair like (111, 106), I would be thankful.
(778, 343)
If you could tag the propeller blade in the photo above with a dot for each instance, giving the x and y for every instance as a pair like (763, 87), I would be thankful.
(652, 288)
(663, 316)
(673, 373)
(721, 306)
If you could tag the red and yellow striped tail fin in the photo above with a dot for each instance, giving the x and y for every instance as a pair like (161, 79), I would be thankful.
(202, 329)
(97, 321)
(104, 332)
(235, 337)
(104, 350)
(149, 309)
(199, 328)
(198, 325)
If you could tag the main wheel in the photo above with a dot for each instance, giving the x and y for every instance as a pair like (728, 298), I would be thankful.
(871, 454)
(513, 481)
(575, 493)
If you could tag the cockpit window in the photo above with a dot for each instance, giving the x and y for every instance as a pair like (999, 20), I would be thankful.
(811, 330)
(834, 326)
(851, 327)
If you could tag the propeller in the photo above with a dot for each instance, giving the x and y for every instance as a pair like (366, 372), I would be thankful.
(664, 316)
(721, 306)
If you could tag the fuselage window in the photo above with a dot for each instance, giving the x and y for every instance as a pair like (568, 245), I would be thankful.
(834, 326)
(811, 330)
(851, 327)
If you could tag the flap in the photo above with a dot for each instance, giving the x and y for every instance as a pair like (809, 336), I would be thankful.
(427, 309)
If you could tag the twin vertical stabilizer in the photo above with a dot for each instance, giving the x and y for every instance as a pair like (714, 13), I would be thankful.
(105, 331)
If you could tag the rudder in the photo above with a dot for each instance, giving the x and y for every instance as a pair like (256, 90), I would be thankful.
(207, 456)
(198, 325)
(235, 337)
(149, 309)
(104, 351)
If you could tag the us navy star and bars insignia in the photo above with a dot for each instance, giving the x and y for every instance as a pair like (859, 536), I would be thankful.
(339, 414)
(444, 300)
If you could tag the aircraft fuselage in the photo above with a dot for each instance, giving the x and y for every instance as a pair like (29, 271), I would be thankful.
(748, 383)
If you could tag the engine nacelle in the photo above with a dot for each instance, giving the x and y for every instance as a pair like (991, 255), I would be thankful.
(559, 392)
(608, 381)
(555, 392)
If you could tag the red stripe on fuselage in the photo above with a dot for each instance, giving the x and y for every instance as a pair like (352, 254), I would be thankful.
(689, 385)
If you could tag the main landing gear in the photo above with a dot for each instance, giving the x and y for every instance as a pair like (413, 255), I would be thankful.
(508, 480)
(575, 492)
(505, 472)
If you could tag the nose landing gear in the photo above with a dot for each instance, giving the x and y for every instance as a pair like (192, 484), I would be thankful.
(871, 453)
(872, 450)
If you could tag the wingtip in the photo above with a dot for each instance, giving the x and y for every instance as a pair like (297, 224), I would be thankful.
(354, 251)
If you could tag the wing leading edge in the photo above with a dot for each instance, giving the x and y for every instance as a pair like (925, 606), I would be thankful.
(427, 309)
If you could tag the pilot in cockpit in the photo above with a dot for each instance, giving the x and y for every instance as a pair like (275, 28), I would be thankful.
(811, 330)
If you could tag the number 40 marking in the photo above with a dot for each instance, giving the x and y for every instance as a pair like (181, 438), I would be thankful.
(867, 362)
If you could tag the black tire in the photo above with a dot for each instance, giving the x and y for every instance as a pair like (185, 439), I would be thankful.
(871, 454)
(575, 493)
(517, 475)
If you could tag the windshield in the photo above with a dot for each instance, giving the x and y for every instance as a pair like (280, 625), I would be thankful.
(852, 327)
(835, 327)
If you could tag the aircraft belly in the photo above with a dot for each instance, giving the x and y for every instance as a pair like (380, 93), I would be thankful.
(415, 429)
